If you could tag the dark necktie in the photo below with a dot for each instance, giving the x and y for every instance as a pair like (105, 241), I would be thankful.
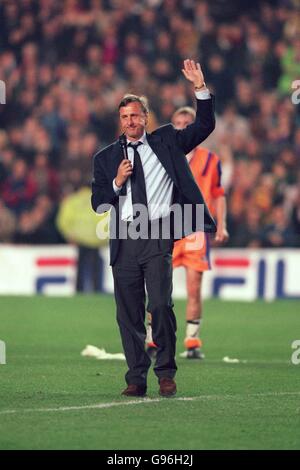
(138, 185)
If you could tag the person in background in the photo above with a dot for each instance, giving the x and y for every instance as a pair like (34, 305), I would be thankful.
(78, 224)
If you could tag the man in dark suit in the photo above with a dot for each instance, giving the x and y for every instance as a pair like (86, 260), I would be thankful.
(157, 177)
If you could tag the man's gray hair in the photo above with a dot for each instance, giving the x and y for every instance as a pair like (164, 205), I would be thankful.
(129, 98)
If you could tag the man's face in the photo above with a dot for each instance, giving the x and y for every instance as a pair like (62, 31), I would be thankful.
(180, 121)
(133, 120)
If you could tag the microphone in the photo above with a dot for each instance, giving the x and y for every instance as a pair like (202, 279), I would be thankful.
(123, 145)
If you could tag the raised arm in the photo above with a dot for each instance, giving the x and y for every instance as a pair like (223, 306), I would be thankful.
(192, 72)
(204, 123)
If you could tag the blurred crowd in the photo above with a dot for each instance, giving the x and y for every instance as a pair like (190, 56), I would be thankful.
(67, 63)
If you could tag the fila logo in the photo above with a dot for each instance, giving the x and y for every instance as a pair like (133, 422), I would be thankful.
(56, 264)
(242, 271)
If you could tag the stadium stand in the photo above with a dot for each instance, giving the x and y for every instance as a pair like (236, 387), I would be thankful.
(66, 64)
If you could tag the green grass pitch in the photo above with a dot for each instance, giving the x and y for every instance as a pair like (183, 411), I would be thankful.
(52, 398)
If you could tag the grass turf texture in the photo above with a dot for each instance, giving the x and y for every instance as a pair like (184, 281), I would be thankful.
(253, 405)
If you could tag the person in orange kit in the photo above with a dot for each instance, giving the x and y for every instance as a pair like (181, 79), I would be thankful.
(206, 168)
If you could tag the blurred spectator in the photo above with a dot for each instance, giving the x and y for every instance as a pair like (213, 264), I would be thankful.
(295, 218)
(52, 121)
(7, 224)
(220, 80)
(248, 234)
(290, 63)
(46, 178)
(19, 189)
(79, 225)
(278, 233)
(37, 225)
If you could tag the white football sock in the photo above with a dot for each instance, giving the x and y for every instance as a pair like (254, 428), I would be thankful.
(193, 328)
(149, 338)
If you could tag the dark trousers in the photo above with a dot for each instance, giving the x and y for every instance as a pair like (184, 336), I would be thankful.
(139, 262)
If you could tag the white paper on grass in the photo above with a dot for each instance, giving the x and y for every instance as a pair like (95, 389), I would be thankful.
(93, 351)
(230, 360)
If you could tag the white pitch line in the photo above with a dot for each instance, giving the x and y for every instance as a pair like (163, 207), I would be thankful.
(147, 401)
(83, 407)
(250, 362)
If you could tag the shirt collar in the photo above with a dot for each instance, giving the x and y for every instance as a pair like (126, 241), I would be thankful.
(142, 139)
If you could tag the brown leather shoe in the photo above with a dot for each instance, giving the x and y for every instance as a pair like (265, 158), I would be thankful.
(167, 387)
(135, 391)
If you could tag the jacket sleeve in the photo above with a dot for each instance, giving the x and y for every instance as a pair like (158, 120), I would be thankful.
(199, 130)
(103, 193)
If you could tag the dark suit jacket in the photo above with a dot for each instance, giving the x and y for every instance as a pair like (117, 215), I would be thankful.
(170, 146)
